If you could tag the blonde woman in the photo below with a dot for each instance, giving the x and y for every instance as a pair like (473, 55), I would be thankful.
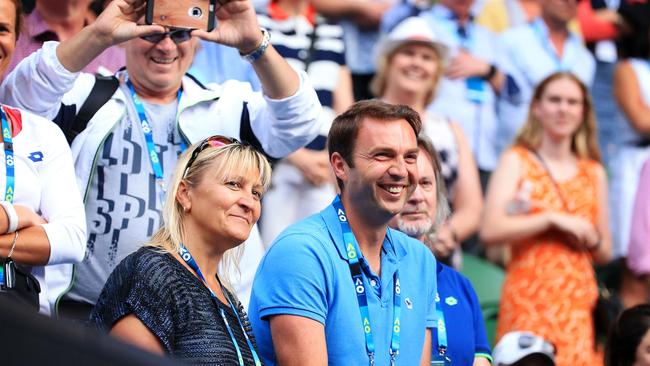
(168, 297)
(548, 200)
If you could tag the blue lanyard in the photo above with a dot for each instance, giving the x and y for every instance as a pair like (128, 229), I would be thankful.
(352, 249)
(9, 157)
(148, 137)
(561, 64)
(187, 257)
(441, 329)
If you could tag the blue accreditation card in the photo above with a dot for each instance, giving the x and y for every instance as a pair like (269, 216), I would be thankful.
(476, 90)
(440, 360)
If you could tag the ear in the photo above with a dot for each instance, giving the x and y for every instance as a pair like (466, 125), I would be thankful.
(339, 166)
(183, 196)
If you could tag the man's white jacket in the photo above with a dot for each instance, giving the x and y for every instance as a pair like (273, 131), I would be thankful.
(42, 85)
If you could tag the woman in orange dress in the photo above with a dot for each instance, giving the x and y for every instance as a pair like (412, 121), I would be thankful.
(548, 200)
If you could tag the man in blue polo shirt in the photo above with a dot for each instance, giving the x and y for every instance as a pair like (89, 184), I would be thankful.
(340, 287)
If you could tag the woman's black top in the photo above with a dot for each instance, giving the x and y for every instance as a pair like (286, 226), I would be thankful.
(176, 307)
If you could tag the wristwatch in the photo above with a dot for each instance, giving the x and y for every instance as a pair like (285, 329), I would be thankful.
(255, 54)
(490, 74)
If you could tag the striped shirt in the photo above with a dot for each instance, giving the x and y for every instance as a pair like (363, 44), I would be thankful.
(292, 37)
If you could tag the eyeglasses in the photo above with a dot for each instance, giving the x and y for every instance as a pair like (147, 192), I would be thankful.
(213, 141)
(178, 35)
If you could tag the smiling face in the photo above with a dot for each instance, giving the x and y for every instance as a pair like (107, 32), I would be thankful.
(413, 69)
(223, 209)
(560, 109)
(157, 68)
(7, 34)
(417, 217)
(384, 171)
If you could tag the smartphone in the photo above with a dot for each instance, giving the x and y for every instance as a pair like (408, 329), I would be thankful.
(194, 14)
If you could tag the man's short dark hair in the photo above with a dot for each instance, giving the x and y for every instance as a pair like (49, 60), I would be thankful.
(345, 127)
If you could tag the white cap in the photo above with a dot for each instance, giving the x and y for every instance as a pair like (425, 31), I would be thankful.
(516, 345)
(411, 30)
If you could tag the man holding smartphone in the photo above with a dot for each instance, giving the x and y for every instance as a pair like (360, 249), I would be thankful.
(124, 155)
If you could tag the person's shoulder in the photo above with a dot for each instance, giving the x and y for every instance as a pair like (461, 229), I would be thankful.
(594, 167)
(231, 87)
(38, 128)
(414, 248)
(147, 263)
(516, 33)
(452, 275)
(310, 232)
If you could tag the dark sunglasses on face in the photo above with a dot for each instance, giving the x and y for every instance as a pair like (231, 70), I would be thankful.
(213, 141)
(178, 35)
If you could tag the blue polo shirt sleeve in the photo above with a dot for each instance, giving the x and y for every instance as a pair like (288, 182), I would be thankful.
(482, 346)
(292, 279)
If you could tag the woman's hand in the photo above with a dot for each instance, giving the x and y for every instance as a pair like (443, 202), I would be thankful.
(118, 22)
(583, 233)
(236, 26)
(27, 217)
(444, 244)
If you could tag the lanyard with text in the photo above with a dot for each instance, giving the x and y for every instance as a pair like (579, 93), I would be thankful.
(148, 137)
(187, 257)
(440, 358)
(352, 249)
(9, 157)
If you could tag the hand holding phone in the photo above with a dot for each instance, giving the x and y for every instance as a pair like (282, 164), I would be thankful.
(192, 14)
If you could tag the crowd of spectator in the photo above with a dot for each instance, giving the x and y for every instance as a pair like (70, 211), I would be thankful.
(403, 136)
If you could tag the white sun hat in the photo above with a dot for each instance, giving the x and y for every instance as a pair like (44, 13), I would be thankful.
(411, 30)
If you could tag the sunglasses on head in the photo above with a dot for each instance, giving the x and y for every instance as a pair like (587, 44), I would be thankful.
(212, 141)
(178, 35)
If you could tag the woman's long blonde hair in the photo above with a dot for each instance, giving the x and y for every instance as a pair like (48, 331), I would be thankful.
(228, 160)
(585, 139)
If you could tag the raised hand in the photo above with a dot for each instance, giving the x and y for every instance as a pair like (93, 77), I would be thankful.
(236, 26)
(119, 22)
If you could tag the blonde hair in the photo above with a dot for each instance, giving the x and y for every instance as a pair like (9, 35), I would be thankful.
(585, 139)
(379, 81)
(228, 160)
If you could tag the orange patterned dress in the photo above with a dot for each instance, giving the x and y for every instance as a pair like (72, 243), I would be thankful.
(550, 288)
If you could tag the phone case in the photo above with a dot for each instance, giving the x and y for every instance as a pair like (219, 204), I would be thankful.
(194, 14)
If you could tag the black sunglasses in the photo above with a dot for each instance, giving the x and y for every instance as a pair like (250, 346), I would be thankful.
(178, 35)
(213, 141)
